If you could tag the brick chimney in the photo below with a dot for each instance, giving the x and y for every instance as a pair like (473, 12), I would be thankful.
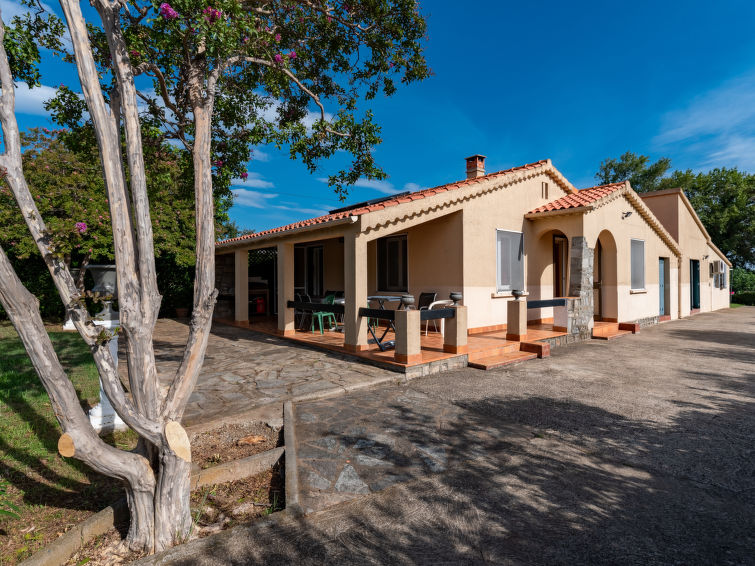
(475, 166)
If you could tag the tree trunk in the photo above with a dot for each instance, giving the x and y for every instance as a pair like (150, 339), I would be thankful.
(172, 501)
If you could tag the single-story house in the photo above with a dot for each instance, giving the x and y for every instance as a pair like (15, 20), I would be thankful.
(616, 255)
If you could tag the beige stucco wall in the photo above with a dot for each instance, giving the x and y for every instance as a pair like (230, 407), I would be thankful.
(673, 212)
(503, 209)
(630, 304)
(434, 261)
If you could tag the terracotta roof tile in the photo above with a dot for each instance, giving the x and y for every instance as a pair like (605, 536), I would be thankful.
(579, 199)
(383, 205)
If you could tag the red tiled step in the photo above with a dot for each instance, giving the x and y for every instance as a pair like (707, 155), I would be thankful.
(608, 331)
(487, 362)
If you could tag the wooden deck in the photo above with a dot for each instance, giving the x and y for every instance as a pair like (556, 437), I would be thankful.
(488, 345)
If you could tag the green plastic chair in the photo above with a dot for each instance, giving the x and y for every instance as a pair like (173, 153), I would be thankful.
(320, 316)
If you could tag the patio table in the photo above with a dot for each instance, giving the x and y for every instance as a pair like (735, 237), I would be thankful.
(381, 300)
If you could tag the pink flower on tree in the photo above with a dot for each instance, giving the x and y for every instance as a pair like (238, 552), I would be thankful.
(245, 175)
(167, 11)
(278, 57)
(292, 55)
(211, 14)
(80, 227)
(277, 37)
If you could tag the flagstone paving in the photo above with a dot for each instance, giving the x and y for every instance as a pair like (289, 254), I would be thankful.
(365, 443)
(244, 370)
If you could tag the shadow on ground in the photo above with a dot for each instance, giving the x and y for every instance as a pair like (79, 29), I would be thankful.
(541, 481)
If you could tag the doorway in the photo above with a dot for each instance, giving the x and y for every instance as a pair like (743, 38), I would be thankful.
(663, 290)
(597, 282)
(560, 263)
(308, 270)
(694, 281)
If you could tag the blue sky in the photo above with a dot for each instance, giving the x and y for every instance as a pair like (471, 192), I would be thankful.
(520, 81)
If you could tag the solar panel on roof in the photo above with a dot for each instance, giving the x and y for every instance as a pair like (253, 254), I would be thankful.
(369, 202)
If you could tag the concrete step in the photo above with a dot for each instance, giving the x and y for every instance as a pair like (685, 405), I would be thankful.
(491, 362)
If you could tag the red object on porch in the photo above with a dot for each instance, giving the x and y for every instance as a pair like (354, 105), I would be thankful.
(259, 305)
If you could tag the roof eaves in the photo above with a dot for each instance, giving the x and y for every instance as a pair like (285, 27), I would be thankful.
(252, 240)
(560, 212)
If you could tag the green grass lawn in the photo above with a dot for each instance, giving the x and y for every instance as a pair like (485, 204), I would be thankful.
(53, 493)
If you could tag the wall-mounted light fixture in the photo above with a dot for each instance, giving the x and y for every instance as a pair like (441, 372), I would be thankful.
(705, 256)
(626, 214)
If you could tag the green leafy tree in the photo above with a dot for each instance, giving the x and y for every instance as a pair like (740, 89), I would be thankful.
(637, 169)
(69, 192)
(742, 280)
(217, 77)
(724, 199)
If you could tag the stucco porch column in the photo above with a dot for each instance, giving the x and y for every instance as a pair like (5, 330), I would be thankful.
(286, 325)
(355, 291)
(241, 285)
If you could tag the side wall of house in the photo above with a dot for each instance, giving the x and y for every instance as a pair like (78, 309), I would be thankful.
(616, 230)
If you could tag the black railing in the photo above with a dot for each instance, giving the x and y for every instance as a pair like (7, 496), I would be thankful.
(382, 314)
(437, 314)
(316, 307)
(546, 303)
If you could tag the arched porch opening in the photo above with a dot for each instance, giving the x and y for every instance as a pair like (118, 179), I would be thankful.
(605, 279)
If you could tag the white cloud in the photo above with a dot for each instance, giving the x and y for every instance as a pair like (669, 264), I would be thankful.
(292, 207)
(259, 155)
(31, 101)
(254, 180)
(384, 187)
(252, 199)
(413, 187)
(718, 126)
(12, 8)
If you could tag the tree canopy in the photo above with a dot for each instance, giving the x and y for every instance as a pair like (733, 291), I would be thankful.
(723, 198)
(65, 179)
(637, 169)
(218, 77)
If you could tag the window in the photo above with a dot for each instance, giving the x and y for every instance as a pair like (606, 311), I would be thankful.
(638, 264)
(510, 259)
(544, 190)
(391, 264)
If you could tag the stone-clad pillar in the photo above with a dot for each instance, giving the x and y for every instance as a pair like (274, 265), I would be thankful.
(580, 309)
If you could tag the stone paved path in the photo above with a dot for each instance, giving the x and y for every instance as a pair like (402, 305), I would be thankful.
(244, 370)
(636, 451)
(368, 442)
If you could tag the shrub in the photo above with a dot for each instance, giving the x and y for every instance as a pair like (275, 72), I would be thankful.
(742, 280)
(744, 298)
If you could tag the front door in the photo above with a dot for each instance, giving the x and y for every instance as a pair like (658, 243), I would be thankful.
(560, 261)
(662, 285)
(694, 281)
(597, 282)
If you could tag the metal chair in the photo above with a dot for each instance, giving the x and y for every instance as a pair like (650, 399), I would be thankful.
(437, 304)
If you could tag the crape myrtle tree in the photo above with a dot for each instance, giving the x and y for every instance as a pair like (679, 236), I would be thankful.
(217, 76)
